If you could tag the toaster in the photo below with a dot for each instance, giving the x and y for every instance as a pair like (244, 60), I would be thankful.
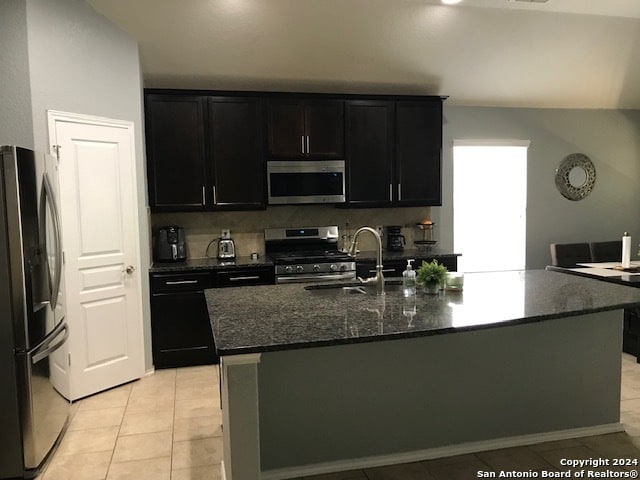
(170, 245)
(226, 248)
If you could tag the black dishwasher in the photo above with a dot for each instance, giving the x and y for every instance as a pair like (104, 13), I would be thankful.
(180, 327)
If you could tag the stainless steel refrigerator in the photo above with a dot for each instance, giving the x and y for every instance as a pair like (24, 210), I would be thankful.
(33, 331)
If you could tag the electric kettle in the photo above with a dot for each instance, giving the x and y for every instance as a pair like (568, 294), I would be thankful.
(226, 248)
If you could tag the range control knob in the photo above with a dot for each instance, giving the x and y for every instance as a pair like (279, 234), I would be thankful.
(333, 267)
(299, 268)
(343, 268)
(288, 269)
(316, 268)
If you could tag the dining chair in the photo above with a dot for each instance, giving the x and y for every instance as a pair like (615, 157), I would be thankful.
(569, 254)
(606, 251)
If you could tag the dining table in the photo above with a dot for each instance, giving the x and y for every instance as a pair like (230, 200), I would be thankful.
(614, 272)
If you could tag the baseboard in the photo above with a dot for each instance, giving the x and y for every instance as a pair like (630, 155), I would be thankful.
(223, 474)
(150, 372)
(439, 452)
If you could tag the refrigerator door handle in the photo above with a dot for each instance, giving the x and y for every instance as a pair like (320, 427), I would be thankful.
(46, 348)
(55, 287)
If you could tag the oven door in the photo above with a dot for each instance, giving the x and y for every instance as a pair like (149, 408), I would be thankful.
(315, 277)
(306, 182)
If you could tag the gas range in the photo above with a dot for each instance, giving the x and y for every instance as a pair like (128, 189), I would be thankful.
(307, 254)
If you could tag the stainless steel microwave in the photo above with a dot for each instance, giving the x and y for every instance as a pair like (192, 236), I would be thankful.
(292, 182)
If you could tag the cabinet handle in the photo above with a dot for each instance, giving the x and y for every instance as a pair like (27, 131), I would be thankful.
(399, 191)
(204, 196)
(181, 282)
(387, 270)
(302, 142)
(390, 192)
(248, 277)
(307, 143)
(215, 199)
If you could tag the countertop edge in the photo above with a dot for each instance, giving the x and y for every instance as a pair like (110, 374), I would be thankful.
(418, 334)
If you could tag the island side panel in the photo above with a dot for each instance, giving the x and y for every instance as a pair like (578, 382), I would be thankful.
(330, 404)
(241, 452)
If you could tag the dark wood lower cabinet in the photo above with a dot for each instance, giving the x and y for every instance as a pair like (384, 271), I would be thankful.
(245, 277)
(631, 332)
(394, 268)
(181, 332)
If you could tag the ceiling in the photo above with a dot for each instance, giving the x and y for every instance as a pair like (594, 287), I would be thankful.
(562, 53)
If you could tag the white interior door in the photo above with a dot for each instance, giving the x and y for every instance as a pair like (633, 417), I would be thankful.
(100, 237)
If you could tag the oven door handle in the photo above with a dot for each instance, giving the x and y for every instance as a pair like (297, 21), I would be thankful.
(316, 278)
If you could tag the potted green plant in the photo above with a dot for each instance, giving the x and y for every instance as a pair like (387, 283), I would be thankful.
(431, 275)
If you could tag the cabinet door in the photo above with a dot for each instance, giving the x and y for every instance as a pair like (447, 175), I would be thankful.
(418, 152)
(245, 276)
(239, 169)
(176, 166)
(324, 129)
(285, 129)
(180, 330)
(449, 261)
(300, 129)
(369, 152)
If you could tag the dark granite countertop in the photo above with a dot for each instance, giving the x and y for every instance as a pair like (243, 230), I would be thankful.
(281, 317)
(209, 264)
(623, 278)
(405, 254)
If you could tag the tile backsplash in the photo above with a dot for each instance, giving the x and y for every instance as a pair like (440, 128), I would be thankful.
(247, 228)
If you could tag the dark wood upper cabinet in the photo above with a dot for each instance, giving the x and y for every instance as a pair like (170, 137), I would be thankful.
(204, 153)
(305, 129)
(176, 163)
(418, 152)
(394, 152)
(369, 149)
(285, 129)
(239, 173)
(207, 150)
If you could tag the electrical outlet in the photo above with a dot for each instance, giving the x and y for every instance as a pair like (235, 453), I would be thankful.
(380, 230)
(226, 234)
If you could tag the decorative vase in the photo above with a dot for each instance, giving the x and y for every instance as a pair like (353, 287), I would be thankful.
(431, 288)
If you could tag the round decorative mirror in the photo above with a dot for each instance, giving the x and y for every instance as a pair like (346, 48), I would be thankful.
(576, 176)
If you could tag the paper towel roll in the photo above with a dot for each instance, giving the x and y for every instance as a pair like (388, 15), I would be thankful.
(626, 250)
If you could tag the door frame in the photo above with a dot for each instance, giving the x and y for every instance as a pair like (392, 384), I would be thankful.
(54, 116)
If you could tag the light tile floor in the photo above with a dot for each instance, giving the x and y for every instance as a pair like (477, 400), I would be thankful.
(168, 427)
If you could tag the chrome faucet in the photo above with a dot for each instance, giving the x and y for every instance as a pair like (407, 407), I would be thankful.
(378, 280)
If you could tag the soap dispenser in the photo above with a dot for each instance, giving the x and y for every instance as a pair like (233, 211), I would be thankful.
(409, 280)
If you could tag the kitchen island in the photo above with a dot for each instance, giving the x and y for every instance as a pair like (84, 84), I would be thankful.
(328, 380)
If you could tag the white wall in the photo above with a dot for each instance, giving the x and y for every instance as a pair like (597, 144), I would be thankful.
(611, 138)
(15, 114)
(80, 62)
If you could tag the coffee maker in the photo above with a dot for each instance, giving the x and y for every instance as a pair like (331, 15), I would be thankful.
(395, 239)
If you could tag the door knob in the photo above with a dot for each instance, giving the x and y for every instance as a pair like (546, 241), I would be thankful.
(130, 269)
